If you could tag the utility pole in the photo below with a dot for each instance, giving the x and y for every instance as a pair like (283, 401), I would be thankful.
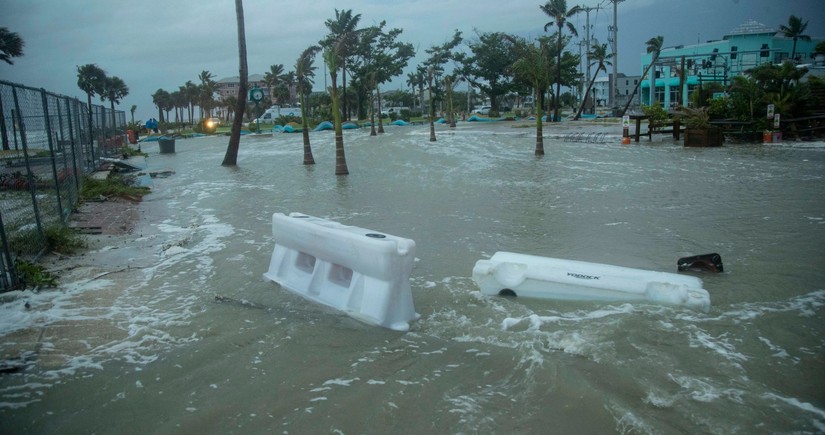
(587, 38)
(615, 45)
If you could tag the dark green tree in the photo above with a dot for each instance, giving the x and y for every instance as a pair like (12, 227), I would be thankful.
(487, 65)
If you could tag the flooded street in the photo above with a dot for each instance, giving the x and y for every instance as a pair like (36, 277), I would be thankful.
(134, 341)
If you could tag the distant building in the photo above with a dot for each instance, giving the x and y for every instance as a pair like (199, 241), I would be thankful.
(749, 45)
(229, 86)
(624, 86)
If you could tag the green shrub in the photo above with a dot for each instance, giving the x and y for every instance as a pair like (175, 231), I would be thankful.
(115, 185)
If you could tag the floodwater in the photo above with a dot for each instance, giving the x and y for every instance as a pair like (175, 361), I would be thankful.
(147, 349)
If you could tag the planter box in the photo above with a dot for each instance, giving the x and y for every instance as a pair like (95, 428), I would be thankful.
(167, 146)
(706, 137)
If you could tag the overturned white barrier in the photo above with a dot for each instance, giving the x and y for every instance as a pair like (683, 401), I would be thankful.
(508, 273)
(361, 272)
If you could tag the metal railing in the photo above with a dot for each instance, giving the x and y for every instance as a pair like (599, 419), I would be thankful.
(49, 142)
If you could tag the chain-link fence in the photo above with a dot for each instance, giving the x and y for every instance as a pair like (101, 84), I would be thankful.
(49, 142)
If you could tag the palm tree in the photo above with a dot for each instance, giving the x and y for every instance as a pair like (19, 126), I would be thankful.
(557, 10)
(414, 80)
(192, 94)
(206, 90)
(289, 82)
(795, 29)
(273, 78)
(158, 98)
(534, 65)
(600, 58)
(231, 157)
(114, 89)
(439, 55)
(90, 79)
(333, 61)
(11, 45)
(304, 72)
(134, 107)
(654, 45)
(344, 35)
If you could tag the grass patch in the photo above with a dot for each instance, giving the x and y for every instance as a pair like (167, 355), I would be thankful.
(63, 239)
(114, 186)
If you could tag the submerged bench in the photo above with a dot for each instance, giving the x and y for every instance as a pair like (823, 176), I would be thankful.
(361, 272)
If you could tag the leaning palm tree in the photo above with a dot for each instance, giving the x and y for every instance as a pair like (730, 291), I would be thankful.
(654, 46)
(534, 65)
(795, 29)
(114, 89)
(601, 59)
(333, 60)
(557, 10)
(231, 157)
(132, 109)
(304, 72)
(11, 45)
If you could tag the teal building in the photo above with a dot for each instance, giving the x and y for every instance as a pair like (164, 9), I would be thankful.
(749, 45)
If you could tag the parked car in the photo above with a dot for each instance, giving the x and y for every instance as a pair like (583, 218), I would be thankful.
(482, 110)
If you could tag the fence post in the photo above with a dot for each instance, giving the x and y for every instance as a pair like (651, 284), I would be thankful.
(91, 134)
(29, 177)
(74, 149)
(51, 150)
(3, 132)
(9, 273)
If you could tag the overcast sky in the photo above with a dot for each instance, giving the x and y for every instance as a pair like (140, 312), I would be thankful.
(155, 44)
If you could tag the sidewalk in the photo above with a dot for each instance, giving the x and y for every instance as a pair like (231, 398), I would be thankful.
(115, 216)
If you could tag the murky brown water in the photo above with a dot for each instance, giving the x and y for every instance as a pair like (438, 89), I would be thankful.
(160, 355)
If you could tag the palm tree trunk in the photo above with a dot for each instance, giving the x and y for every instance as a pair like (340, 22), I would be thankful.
(380, 121)
(231, 157)
(432, 109)
(308, 159)
(91, 135)
(589, 86)
(373, 132)
(340, 157)
(638, 84)
(539, 132)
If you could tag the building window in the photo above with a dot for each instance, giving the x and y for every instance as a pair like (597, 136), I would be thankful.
(764, 51)
(733, 51)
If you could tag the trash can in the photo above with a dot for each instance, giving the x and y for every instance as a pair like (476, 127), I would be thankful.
(777, 136)
(767, 137)
(167, 146)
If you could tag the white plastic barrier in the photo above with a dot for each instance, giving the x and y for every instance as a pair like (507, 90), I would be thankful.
(361, 272)
(508, 273)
